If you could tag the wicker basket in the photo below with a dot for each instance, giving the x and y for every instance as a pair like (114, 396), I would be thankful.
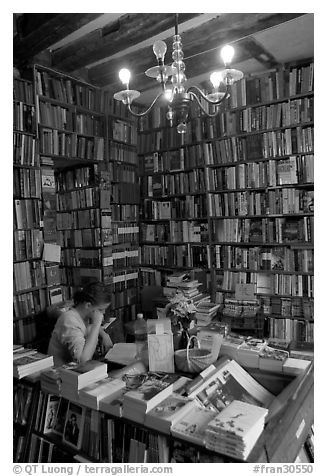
(193, 360)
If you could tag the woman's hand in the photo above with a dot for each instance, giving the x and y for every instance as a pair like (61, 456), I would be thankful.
(105, 341)
(96, 317)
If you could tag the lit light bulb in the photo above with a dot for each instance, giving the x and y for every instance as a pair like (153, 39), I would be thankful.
(227, 54)
(124, 75)
(169, 94)
(216, 78)
(159, 49)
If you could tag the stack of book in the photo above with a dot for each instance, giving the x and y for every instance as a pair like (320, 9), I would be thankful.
(236, 429)
(113, 404)
(205, 312)
(272, 359)
(168, 412)
(154, 390)
(181, 282)
(248, 352)
(51, 381)
(77, 376)
(193, 425)
(231, 344)
(30, 363)
(91, 395)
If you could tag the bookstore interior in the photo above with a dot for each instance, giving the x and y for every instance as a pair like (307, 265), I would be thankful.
(163, 237)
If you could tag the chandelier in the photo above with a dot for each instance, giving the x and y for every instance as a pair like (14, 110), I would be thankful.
(172, 79)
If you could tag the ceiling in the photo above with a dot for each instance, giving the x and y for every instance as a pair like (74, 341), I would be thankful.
(94, 46)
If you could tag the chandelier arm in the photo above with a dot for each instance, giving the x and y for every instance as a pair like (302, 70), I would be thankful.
(205, 97)
(144, 113)
(214, 114)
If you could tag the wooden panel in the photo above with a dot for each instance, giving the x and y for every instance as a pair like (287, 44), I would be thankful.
(45, 30)
(128, 30)
(228, 27)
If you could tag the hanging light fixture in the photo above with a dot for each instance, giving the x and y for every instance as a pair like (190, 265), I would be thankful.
(172, 79)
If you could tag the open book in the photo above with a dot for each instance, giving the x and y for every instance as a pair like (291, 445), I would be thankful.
(230, 382)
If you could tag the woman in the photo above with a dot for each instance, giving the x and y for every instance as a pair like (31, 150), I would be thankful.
(77, 331)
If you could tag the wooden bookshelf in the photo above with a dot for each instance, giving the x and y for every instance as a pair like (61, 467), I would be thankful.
(121, 134)
(253, 165)
(72, 148)
(30, 296)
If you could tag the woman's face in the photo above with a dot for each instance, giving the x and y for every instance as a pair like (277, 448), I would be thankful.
(98, 307)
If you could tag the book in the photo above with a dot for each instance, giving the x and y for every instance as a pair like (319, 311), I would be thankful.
(272, 359)
(149, 394)
(193, 425)
(91, 395)
(230, 345)
(80, 375)
(247, 354)
(74, 425)
(235, 430)
(230, 382)
(51, 412)
(30, 364)
(168, 412)
(161, 353)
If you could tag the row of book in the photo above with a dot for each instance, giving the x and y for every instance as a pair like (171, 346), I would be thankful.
(77, 199)
(123, 131)
(86, 237)
(283, 114)
(267, 284)
(24, 330)
(123, 172)
(29, 303)
(279, 84)
(190, 206)
(151, 277)
(288, 140)
(262, 258)
(123, 279)
(27, 182)
(82, 257)
(125, 256)
(179, 256)
(175, 231)
(61, 88)
(29, 274)
(24, 117)
(28, 244)
(114, 107)
(174, 160)
(265, 230)
(55, 142)
(126, 212)
(257, 147)
(122, 298)
(77, 177)
(272, 202)
(78, 219)
(125, 193)
(24, 150)
(125, 232)
(173, 184)
(27, 214)
(288, 307)
(64, 118)
(292, 170)
(23, 91)
(294, 329)
(122, 153)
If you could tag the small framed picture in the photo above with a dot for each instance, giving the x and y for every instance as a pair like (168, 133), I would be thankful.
(74, 425)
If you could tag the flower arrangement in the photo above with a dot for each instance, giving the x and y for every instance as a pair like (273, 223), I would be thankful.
(180, 310)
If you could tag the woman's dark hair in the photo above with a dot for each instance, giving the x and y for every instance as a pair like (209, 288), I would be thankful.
(95, 293)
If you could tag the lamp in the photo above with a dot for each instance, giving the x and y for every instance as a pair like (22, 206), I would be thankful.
(177, 97)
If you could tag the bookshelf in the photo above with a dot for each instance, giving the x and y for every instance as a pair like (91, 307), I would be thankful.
(123, 166)
(30, 297)
(76, 181)
(109, 438)
(241, 186)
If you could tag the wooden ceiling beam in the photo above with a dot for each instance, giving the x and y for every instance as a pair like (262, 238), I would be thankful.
(227, 28)
(128, 30)
(39, 31)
